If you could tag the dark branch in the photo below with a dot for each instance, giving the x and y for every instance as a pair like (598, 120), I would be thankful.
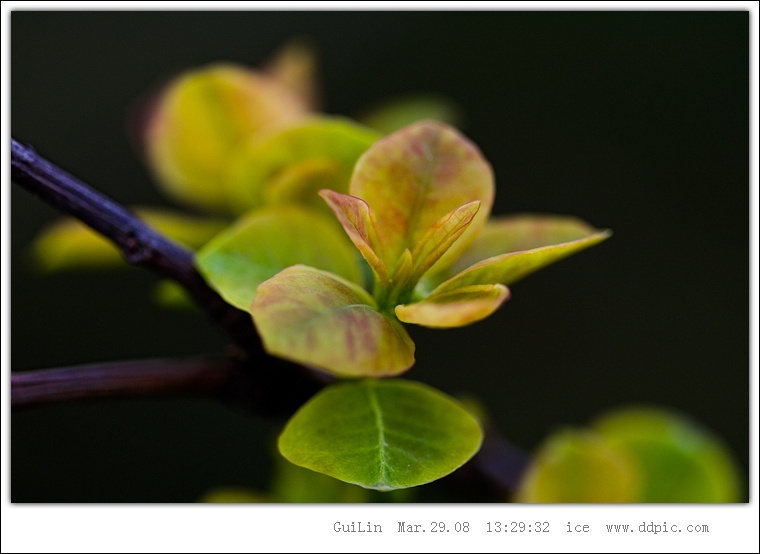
(270, 390)
(264, 384)
(139, 243)
(203, 377)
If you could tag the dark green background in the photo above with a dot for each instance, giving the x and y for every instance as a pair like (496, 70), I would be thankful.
(633, 121)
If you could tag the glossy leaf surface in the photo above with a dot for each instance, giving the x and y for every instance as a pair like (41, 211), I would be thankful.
(679, 461)
(509, 268)
(579, 466)
(455, 308)
(331, 144)
(69, 244)
(381, 434)
(414, 177)
(204, 116)
(319, 319)
(264, 243)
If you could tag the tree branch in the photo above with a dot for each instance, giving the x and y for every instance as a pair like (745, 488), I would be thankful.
(202, 376)
(139, 243)
(264, 384)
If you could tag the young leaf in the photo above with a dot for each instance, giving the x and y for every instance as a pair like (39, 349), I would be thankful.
(455, 308)
(679, 461)
(357, 219)
(259, 166)
(520, 232)
(579, 466)
(416, 176)
(264, 243)
(509, 268)
(205, 115)
(319, 319)
(381, 434)
(440, 237)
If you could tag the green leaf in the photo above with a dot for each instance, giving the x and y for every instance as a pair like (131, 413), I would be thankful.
(295, 484)
(397, 113)
(679, 460)
(513, 266)
(262, 244)
(414, 177)
(381, 434)
(298, 161)
(455, 308)
(319, 319)
(69, 244)
(202, 118)
(579, 466)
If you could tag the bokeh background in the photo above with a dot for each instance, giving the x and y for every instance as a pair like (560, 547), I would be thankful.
(636, 121)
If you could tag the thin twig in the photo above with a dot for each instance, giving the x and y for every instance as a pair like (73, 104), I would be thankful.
(139, 243)
(202, 376)
(264, 384)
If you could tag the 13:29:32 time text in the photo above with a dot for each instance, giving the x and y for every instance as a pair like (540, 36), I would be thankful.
(518, 527)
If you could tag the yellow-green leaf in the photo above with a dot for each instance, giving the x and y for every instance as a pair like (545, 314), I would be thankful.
(414, 177)
(579, 466)
(260, 245)
(381, 434)
(439, 238)
(205, 115)
(679, 460)
(317, 142)
(512, 266)
(319, 319)
(69, 244)
(357, 219)
(455, 308)
(520, 232)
